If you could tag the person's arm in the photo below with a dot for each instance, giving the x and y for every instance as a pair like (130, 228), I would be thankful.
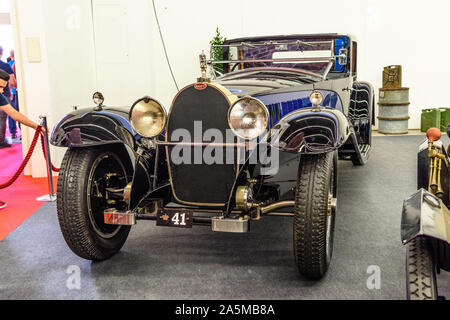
(16, 115)
(12, 80)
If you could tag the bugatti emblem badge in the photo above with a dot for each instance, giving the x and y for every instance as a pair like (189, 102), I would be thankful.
(200, 86)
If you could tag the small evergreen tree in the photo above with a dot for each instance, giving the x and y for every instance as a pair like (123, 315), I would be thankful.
(216, 52)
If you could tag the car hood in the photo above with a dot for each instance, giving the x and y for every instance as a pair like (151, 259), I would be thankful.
(259, 87)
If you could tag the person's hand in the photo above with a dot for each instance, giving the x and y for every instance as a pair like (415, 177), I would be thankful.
(42, 129)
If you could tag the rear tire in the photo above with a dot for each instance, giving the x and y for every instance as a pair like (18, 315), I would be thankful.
(314, 216)
(81, 200)
(420, 271)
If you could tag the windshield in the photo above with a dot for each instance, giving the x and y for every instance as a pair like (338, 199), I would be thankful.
(313, 57)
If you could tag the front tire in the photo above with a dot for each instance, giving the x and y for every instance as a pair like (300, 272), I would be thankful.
(315, 211)
(420, 271)
(82, 197)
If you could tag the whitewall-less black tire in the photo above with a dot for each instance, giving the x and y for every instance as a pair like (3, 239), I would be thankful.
(314, 216)
(84, 175)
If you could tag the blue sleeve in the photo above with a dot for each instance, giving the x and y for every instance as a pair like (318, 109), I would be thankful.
(3, 100)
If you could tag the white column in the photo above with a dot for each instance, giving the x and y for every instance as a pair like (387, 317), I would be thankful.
(58, 73)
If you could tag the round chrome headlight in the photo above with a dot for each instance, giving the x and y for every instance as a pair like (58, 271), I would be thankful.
(148, 117)
(316, 98)
(248, 118)
(98, 98)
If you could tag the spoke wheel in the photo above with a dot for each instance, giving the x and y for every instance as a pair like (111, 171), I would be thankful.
(107, 172)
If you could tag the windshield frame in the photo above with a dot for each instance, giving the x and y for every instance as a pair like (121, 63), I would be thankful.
(309, 41)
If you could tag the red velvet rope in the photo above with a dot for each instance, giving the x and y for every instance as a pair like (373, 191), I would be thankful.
(27, 158)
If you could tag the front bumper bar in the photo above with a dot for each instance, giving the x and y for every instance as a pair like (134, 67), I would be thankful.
(221, 224)
(237, 222)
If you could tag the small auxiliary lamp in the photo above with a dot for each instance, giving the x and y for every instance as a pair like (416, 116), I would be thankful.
(434, 134)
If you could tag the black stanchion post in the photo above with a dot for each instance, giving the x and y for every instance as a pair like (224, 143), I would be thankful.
(49, 197)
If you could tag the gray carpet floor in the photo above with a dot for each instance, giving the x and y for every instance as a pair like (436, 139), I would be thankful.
(168, 263)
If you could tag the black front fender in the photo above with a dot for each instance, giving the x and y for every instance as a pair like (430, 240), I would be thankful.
(425, 215)
(310, 130)
(87, 128)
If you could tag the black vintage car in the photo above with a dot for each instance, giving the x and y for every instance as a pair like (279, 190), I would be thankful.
(425, 226)
(258, 134)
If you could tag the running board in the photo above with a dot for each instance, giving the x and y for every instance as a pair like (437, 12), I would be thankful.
(361, 152)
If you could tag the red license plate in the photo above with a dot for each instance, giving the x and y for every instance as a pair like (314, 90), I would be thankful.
(173, 217)
(119, 218)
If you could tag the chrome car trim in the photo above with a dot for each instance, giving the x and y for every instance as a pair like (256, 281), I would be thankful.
(247, 44)
(318, 59)
(194, 144)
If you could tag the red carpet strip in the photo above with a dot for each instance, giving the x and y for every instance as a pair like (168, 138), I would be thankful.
(21, 196)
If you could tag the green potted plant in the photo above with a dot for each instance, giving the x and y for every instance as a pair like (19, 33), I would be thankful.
(216, 52)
